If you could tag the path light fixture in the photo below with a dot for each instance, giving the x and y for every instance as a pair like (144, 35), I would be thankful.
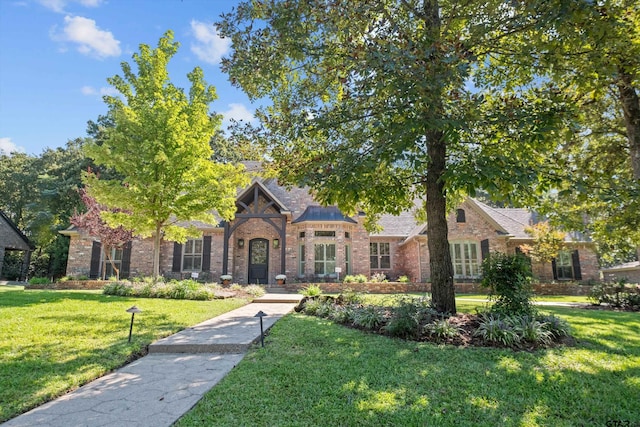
(133, 310)
(261, 314)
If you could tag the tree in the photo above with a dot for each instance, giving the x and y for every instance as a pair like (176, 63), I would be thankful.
(374, 105)
(592, 51)
(91, 222)
(159, 145)
(547, 242)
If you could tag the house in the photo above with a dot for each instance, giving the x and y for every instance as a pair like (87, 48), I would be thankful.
(284, 231)
(629, 271)
(12, 239)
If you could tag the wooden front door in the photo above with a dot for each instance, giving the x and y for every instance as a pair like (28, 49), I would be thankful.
(259, 261)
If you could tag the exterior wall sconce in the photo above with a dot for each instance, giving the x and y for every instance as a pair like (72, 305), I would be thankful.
(241, 243)
(276, 243)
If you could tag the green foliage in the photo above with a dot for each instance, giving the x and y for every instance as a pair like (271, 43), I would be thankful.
(159, 146)
(378, 278)
(619, 295)
(369, 317)
(408, 316)
(547, 242)
(508, 278)
(311, 290)
(11, 266)
(442, 330)
(557, 326)
(349, 296)
(403, 279)
(39, 281)
(254, 290)
(497, 330)
(311, 306)
(359, 278)
(176, 289)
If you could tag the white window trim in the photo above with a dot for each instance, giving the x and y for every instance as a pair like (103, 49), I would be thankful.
(474, 268)
(335, 250)
(379, 256)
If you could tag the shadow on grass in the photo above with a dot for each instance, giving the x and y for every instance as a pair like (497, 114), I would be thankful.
(313, 372)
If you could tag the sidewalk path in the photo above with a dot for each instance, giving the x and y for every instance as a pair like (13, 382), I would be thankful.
(159, 388)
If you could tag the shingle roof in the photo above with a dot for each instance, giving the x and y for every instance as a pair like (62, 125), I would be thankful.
(397, 225)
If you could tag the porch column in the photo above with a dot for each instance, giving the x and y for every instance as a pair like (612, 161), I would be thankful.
(283, 246)
(225, 249)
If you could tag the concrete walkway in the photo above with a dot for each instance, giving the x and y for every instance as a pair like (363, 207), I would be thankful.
(159, 388)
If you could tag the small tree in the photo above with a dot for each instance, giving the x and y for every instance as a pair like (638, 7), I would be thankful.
(158, 145)
(547, 242)
(508, 278)
(91, 221)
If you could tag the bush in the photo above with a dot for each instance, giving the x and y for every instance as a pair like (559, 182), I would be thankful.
(531, 330)
(508, 278)
(359, 278)
(558, 327)
(39, 281)
(379, 278)
(349, 296)
(618, 295)
(495, 330)
(311, 291)
(311, 307)
(403, 279)
(118, 289)
(369, 317)
(442, 330)
(255, 290)
(408, 316)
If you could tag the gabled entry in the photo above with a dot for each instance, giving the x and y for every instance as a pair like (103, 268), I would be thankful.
(259, 261)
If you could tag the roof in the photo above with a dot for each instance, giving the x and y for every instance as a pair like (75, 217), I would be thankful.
(18, 232)
(402, 225)
(322, 213)
(627, 266)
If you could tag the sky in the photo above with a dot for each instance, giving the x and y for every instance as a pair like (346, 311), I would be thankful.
(56, 56)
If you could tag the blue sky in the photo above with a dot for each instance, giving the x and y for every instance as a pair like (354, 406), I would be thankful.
(56, 56)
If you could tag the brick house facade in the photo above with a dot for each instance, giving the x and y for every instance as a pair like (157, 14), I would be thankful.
(284, 231)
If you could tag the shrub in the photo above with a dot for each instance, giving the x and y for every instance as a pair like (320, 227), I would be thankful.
(349, 296)
(369, 317)
(379, 278)
(311, 291)
(39, 281)
(495, 330)
(118, 289)
(255, 290)
(619, 295)
(341, 314)
(236, 287)
(407, 317)
(530, 329)
(508, 278)
(442, 329)
(311, 307)
(360, 278)
(556, 325)
(403, 279)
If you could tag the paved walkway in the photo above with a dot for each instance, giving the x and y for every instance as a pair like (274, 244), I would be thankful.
(159, 388)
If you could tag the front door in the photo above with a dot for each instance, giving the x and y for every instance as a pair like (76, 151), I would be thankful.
(259, 261)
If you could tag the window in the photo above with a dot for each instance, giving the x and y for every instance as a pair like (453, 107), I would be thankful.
(325, 258)
(347, 235)
(379, 255)
(302, 234)
(460, 215)
(347, 258)
(116, 258)
(564, 266)
(464, 256)
(301, 257)
(192, 255)
(324, 233)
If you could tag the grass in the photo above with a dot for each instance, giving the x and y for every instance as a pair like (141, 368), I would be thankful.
(55, 341)
(313, 372)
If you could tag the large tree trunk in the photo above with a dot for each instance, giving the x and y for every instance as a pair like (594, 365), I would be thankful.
(442, 290)
(631, 108)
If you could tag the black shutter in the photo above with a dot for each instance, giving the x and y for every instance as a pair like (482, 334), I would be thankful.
(206, 253)
(126, 260)
(94, 268)
(177, 257)
(553, 267)
(484, 248)
(575, 261)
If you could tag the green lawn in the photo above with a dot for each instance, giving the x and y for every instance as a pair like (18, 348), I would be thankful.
(313, 372)
(54, 341)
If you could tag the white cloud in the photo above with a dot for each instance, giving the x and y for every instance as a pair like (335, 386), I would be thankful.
(91, 40)
(237, 112)
(59, 5)
(105, 90)
(7, 146)
(209, 46)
